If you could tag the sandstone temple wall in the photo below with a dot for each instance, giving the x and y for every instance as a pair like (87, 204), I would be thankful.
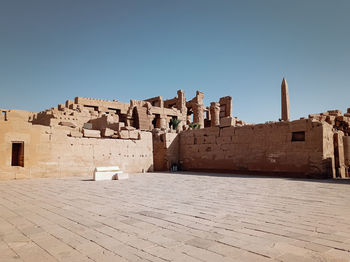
(165, 150)
(51, 152)
(169, 134)
(299, 148)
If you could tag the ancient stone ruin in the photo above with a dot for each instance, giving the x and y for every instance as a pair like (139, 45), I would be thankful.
(157, 135)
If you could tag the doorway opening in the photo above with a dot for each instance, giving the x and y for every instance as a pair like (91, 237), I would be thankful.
(17, 154)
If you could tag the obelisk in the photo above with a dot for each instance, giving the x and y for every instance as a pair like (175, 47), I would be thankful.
(285, 100)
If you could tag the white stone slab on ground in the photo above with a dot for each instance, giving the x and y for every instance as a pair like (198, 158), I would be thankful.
(109, 173)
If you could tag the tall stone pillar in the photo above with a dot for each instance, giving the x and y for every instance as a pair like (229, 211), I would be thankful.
(198, 109)
(162, 123)
(284, 100)
(181, 105)
(198, 114)
(215, 114)
(181, 102)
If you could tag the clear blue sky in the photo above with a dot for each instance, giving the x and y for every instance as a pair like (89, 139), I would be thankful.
(51, 51)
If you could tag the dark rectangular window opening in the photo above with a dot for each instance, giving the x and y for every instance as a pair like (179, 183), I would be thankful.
(4, 115)
(298, 136)
(17, 154)
(113, 110)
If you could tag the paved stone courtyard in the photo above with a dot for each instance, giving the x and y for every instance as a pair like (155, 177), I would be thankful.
(175, 217)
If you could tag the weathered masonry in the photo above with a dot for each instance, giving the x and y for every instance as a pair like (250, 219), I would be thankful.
(299, 148)
(72, 138)
(313, 147)
(156, 134)
(29, 151)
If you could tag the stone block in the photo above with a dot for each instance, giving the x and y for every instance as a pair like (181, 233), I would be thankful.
(76, 134)
(119, 125)
(223, 140)
(335, 112)
(228, 131)
(87, 126)
(226, 147)
(340, 118)
(98, 176)
(205, 131)
(134, 134)
(107, 168)
(123, 134)
(200, 140)
(73, 106)
(68, 103)
(298, 125)
(69, 124)
(185, 139)
(227, 121)
(61, 107)
(91, 133)
(102, 108)
(129, 128)
(314, 116)
(209, 140)
(108, 173)
(107, 132)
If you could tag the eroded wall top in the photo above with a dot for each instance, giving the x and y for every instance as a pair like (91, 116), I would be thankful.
(103, 118)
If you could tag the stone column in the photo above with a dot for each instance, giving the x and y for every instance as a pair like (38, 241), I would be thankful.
(198, 109)
(215, 114)
(198, 114)
(163, 122)
(285, 100)
(181, 102)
